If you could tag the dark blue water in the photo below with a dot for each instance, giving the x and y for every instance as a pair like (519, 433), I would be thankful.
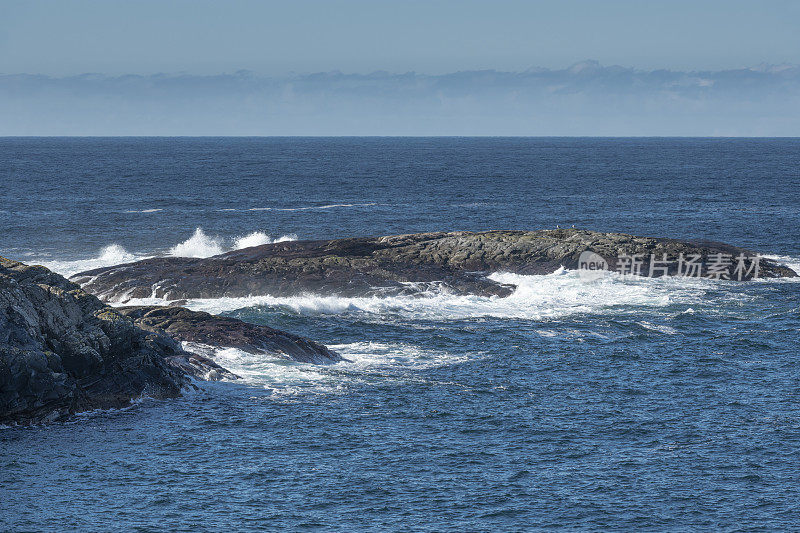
(610, 405)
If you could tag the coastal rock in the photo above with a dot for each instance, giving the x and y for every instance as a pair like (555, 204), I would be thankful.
(63, 351)
(398, 264)
(200, 366)
(197, 327)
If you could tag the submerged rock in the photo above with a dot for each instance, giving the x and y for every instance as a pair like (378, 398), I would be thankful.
(197, 327)
(394, 264)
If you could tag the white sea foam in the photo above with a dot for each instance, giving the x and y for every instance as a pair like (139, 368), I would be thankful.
(201, 244)
(264, 368)
(145, 211)
(536, 297)
(787, 260)
(198, 245)
(661, 328)
(257, 238)
(379, 356)
(309, 208)
(113, 254)
(365, 361)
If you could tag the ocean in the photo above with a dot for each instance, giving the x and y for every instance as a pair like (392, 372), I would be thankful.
(617, 404)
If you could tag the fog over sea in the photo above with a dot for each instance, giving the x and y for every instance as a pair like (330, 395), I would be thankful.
(613, 404)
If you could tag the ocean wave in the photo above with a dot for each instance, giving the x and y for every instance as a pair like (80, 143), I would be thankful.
(365, 361)
(144, 211)
(369, 356)
(660, 328)
(536, 297)
(202, 245)
(111, 255)
(198, 245)
(222, 209)
(787, 260)
(257, 238)
(308, 208)
(261, 368)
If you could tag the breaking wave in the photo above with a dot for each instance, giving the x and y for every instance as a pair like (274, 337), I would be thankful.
(200, 245)
(111, 255)
(364, 361)
(257, 238)
(536, 297)
(786, 260)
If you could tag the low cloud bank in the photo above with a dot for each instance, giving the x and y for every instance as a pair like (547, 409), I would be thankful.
(584, 99)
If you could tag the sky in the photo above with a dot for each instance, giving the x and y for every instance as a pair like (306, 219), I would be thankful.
(67, 37)
(358, 67)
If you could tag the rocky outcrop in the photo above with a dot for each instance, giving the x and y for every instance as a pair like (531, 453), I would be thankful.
(63, 351)
(197, 327)
(395, 264)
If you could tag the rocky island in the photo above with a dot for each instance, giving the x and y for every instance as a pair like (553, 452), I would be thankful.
(390, 265)
(63, 351)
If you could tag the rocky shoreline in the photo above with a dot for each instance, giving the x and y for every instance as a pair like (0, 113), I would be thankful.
(63, 350)
(390, 265)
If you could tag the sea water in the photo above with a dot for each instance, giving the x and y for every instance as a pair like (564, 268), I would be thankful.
(607, 404)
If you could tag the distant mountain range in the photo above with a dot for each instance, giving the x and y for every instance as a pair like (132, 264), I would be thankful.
(584, 99)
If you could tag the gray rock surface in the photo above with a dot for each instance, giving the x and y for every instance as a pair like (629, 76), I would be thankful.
(63, 351)
(197, 327)
(395, 264)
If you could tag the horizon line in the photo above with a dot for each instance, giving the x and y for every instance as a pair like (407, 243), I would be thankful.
(763, 67)
(399, 136)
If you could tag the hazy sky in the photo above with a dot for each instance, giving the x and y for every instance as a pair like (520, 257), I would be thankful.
(275, 38)
(657, 67)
